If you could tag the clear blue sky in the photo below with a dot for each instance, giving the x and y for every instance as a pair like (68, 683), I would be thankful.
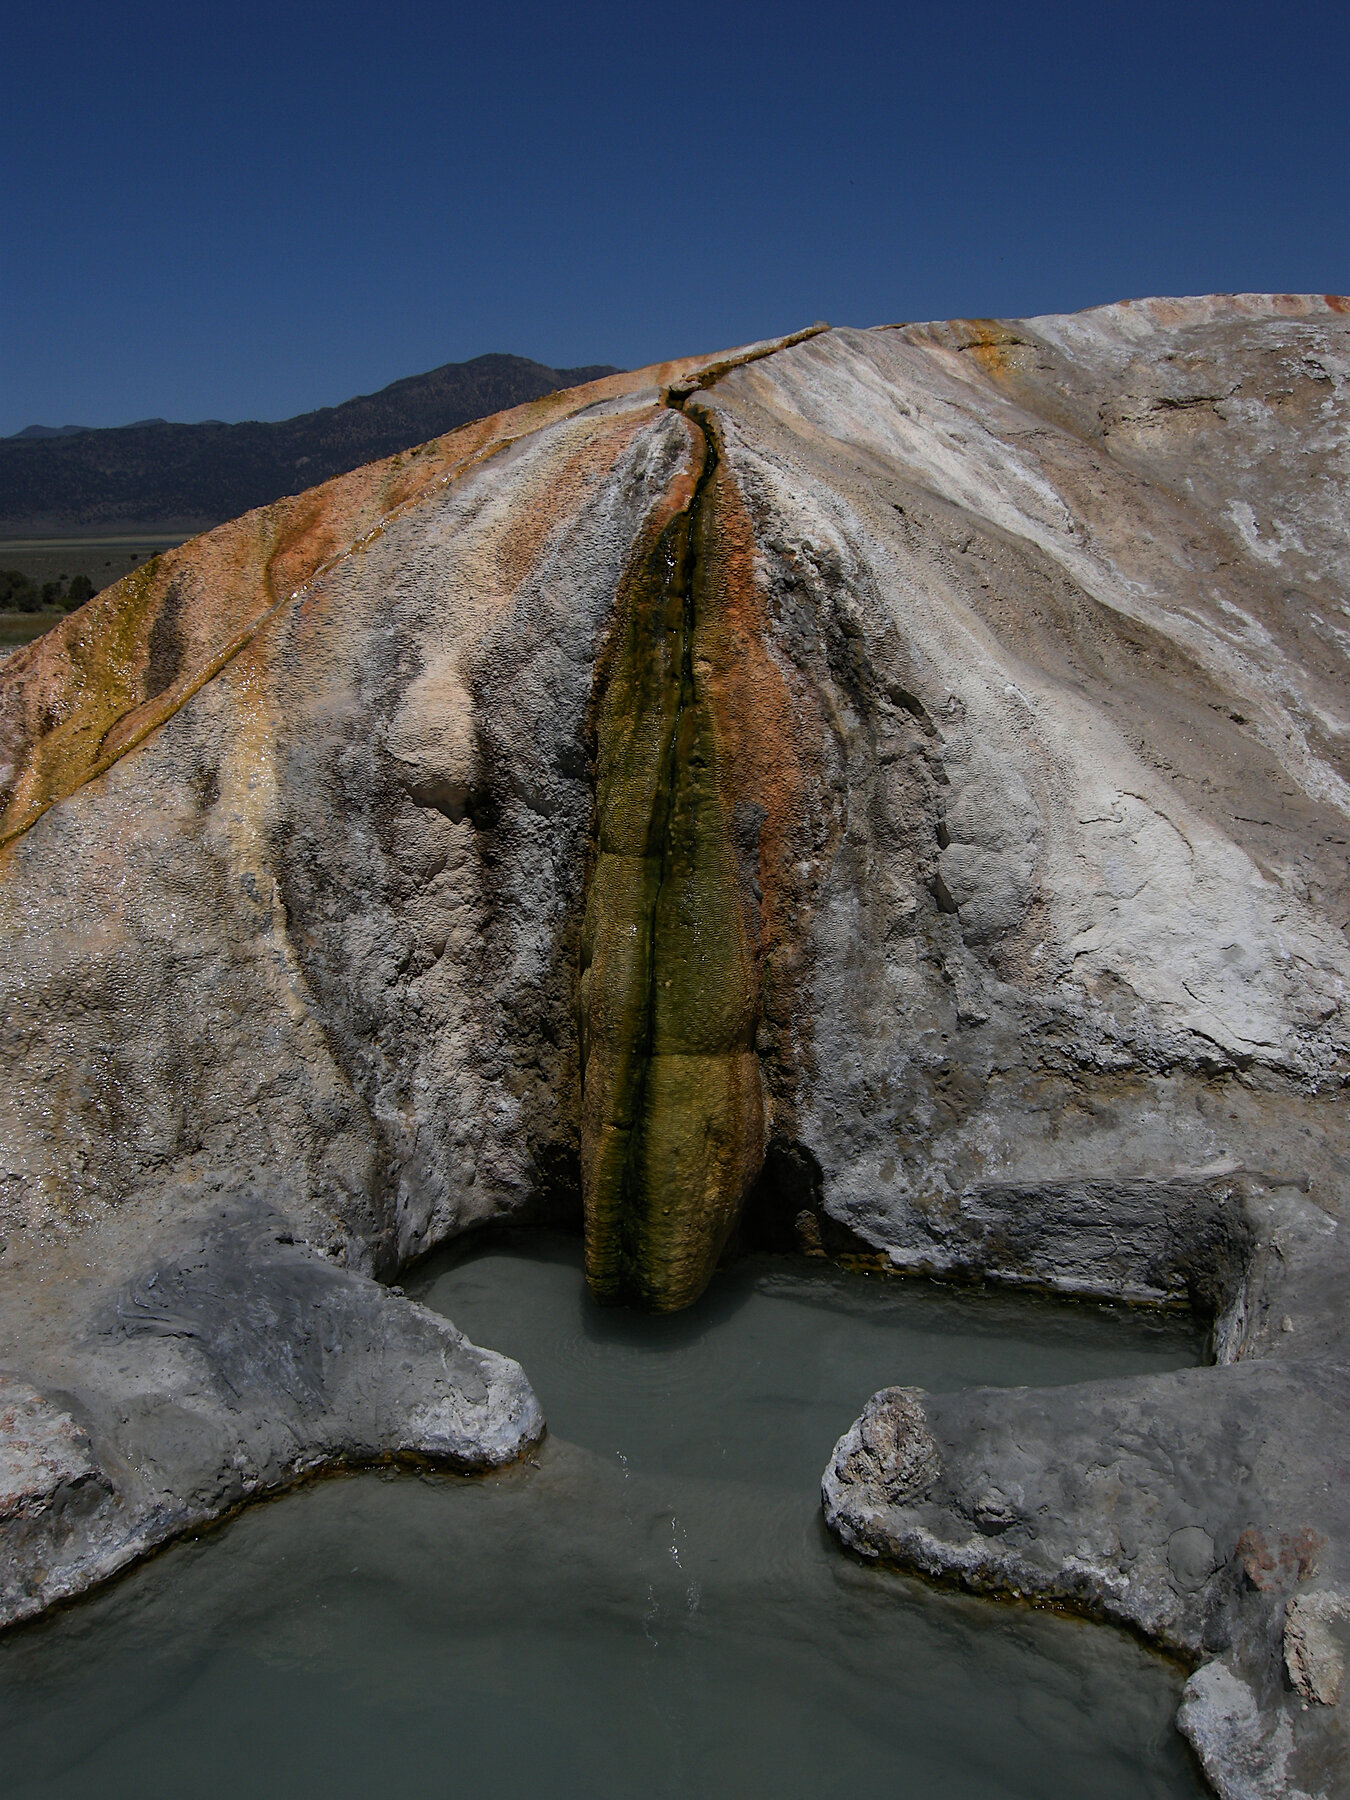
(245, 211)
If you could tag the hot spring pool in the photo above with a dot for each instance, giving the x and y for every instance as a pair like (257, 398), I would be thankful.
(650, 1607)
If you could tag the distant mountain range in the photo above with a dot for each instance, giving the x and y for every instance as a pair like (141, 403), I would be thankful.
(156, 476)
(51, 431)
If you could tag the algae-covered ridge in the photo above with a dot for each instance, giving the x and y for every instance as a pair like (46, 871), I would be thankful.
(672, 1102)
(672, 1098)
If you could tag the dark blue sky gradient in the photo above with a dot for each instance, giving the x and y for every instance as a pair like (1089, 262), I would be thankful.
(245, 211)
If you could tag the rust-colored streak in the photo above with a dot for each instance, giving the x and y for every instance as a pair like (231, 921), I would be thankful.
(104, 679)
(109, 675)
(754, 710)
(771, 747)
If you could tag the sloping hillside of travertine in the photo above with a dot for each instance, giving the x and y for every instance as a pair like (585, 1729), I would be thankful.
(884, 790)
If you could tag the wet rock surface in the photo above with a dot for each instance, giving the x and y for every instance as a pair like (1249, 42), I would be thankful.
(1022, 743)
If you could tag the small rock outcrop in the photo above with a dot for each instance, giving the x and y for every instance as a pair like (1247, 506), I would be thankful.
(890, 783)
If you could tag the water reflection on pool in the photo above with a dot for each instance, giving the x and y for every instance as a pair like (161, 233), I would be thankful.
(651, 1608)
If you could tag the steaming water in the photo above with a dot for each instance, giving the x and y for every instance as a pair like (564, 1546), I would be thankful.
(654, 1609)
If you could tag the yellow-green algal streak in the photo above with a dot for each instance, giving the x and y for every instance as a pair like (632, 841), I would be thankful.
(672, 1105)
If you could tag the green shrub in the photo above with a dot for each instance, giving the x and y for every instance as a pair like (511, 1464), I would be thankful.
(18, 593)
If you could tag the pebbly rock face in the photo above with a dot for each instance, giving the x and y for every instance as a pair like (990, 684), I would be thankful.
(887, 788)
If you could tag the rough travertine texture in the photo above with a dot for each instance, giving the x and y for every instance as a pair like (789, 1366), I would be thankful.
(672, 1125)
(903, 772)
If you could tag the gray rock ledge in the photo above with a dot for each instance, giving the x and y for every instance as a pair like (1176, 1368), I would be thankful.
(218, 1364)
(1207, 1510)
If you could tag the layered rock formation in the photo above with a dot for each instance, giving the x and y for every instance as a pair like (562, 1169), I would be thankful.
(887, 786)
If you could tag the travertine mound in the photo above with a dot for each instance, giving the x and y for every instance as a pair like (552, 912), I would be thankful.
(888, 787)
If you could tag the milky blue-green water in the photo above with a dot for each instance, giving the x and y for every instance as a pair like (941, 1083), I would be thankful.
(650, 1607)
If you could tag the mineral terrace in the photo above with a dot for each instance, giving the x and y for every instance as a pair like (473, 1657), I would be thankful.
(884, 790)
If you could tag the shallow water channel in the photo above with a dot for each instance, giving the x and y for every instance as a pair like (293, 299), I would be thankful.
(651, 1608)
